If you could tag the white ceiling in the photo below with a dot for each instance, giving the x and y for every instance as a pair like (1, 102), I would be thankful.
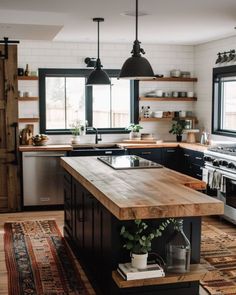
(168, 21)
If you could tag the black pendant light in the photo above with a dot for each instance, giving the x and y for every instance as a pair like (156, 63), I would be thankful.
(136, 67)
(98, 76)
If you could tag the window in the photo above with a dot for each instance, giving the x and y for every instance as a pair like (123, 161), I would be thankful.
(224, 101)
(64, 98)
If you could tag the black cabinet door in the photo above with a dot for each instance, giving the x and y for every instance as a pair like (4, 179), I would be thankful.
(191, 163)
(79, 195)
(153, 154)
(170, 158)
(88, 226)
(68, 204)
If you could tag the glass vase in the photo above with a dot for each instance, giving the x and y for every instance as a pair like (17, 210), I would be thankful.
(178, 250)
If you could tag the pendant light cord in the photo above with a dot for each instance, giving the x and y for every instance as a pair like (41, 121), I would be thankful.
(136, 21)
(98, 39)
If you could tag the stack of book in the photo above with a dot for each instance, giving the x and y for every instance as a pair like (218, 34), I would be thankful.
(130, 273)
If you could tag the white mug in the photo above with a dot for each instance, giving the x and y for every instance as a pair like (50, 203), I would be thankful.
(159, 93)
(190, 94)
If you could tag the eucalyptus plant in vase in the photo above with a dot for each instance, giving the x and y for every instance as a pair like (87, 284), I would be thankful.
(76, 128)
(134, 131)
(139, 241)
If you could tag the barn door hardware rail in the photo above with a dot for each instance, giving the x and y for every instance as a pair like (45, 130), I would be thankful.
(6, 41)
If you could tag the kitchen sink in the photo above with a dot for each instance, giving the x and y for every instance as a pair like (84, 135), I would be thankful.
(96, 150)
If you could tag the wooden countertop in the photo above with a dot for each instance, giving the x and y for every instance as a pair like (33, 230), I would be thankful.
(192, 146)
(68, 147)
(51, 147)
(142, 193)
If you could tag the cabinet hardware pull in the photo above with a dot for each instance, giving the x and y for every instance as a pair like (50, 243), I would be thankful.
(170, 151)
(198, 158)
(199, 175)
(186, 155)
(146, 153)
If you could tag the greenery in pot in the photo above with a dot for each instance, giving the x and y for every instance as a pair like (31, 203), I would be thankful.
(77, 127)
(134, 127)
(139, 240)
(178, 127)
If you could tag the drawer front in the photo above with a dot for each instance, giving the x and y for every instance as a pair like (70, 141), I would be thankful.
(154, 155)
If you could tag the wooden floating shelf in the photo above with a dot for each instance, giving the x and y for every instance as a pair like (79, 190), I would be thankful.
(143, 98)
(170, 79)
(165, 119)
(28, 120)
(28, 98)
(27, 78)
(197, 273)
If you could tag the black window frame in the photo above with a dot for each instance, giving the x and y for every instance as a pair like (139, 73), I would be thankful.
(54, 72)
(218, 73)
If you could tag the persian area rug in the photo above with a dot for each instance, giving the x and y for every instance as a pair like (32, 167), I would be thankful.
(218, 250)
(39, 261)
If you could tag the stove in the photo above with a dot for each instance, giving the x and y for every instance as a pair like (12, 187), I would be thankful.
(222, 157)
(128, 162)
(219, 173)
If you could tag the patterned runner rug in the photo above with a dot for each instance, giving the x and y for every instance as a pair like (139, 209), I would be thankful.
(39, 261)
(218, 250)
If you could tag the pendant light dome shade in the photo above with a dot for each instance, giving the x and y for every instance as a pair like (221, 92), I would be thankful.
(136, 67)
(98, 76)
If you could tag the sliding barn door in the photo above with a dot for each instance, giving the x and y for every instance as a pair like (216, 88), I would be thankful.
(9, 156)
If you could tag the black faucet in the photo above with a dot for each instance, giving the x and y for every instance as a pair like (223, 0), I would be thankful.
(98, 136)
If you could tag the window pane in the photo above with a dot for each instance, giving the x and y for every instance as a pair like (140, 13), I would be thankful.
(75, 100)
(228, 107)
(120, 103)
(55, 103)
(101, 106)
(111, 104)
(65, 101)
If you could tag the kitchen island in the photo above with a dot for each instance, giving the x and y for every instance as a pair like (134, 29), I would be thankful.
(99, 200)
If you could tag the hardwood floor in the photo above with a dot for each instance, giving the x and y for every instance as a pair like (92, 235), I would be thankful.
(59, 217)
(23, 216)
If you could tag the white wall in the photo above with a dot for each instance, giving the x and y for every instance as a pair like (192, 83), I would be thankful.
(204, 60)
(163, 58)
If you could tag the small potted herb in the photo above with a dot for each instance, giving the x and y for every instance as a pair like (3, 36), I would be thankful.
(139, 241)
(76, 129)
(134, 131)
(177, 129)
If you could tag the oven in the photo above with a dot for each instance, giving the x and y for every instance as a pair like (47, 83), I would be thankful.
(219, 173)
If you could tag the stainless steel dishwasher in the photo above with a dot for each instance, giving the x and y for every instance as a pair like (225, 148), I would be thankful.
(42, 178)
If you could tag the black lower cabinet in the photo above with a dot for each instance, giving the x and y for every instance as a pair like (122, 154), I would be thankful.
(191, 163)
(94, 235)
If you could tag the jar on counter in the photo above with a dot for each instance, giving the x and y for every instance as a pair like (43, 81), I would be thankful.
(178, 250)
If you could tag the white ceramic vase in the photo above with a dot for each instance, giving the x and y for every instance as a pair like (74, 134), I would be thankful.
(134, 135)
(139, 260)
(75, 139)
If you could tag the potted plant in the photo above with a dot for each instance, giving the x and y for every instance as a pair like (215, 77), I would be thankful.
(139, 241)
(134, 131)
(76, 128)
(177, 129)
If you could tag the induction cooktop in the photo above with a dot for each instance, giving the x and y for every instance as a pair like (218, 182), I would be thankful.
(128, 162)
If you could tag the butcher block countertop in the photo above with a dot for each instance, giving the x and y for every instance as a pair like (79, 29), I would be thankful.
(46, 148)
(142, 193)
(68, 147)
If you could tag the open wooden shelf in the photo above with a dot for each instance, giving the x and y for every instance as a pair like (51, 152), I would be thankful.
(27, 78)
(165, 119)
(170, 79)
(197, 272)
(28, 98)
(143, 98)
(28, 120)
